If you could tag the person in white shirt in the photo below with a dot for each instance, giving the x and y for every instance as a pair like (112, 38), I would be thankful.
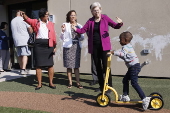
(20, 36)
(44, 46)
(128, 54)
(71, 47)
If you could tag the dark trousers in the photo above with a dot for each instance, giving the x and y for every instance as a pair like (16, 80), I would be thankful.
(93, 69)
(100, 61)
(132, 74)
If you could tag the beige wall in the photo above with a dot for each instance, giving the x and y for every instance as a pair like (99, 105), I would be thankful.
(148, 20)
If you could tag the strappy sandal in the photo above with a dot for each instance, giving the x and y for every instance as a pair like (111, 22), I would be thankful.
(69, 86)
(79, 86)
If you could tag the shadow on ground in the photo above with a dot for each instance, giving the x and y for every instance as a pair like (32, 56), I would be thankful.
(59, 79)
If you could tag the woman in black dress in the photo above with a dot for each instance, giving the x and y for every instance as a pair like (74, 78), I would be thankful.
(45, 45)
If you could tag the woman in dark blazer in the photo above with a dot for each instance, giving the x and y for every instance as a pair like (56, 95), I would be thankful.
(99, 43)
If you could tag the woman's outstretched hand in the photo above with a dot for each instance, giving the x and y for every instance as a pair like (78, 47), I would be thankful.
(63, 28)
(22, 13)
(119, 20)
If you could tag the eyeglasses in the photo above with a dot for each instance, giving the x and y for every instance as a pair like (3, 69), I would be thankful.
(95, 10)
(72, 15)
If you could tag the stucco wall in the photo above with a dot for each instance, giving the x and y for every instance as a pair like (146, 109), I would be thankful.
(148, 20)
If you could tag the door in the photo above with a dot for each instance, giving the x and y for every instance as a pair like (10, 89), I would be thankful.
(32, 10)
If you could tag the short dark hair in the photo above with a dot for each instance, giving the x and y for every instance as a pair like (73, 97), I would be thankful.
(42, 12)
(68, 15)
(3, 25)
(127, 35)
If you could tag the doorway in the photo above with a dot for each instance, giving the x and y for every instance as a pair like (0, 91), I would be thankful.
(32, 10)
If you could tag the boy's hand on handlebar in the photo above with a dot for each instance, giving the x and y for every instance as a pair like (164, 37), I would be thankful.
(111, 52)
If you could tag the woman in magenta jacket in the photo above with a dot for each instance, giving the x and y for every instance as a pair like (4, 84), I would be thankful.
(99, 43)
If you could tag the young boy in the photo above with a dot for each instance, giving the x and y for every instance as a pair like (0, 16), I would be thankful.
(127, 53)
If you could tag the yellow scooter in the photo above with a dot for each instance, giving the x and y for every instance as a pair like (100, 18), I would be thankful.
(103, 99)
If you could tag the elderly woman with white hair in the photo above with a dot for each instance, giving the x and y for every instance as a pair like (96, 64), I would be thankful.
(99, 43)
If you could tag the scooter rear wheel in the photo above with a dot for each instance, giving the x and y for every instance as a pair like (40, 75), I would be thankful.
(156, 103)
(156, 94)
(103, 102)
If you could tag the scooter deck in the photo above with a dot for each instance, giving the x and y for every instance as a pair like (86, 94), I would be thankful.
(131, 101)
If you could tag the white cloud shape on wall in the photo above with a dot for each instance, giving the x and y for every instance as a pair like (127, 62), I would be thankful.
(156, 43)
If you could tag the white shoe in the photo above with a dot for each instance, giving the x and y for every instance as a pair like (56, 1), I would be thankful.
(24, 72)
(146, 102)
(124, 98)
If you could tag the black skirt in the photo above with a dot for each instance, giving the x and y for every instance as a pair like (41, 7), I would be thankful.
(43, 54)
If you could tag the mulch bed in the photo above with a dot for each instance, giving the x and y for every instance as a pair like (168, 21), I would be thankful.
(65, 104)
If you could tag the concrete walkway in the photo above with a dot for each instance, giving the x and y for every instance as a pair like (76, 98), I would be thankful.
(5, 76)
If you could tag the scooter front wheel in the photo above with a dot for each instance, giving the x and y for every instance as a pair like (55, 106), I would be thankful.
(103, 102)
(156, 103)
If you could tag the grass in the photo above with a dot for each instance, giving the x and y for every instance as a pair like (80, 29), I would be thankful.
(18, 110)
(27, 84)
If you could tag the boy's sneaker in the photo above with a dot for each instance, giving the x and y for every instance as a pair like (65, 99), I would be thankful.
(124, 98)
(145, 102)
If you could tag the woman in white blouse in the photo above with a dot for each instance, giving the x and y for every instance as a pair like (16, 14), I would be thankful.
(71, 47)
(45, 45)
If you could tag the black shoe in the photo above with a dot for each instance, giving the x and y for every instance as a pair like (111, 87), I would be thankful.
(52, 87)
(97, 90)
(37, 88)
(93, 82)
(7, 70)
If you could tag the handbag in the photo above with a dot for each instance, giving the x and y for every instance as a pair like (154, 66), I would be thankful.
(31, 40)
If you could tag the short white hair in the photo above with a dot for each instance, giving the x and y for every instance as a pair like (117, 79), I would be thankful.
(95, 4)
